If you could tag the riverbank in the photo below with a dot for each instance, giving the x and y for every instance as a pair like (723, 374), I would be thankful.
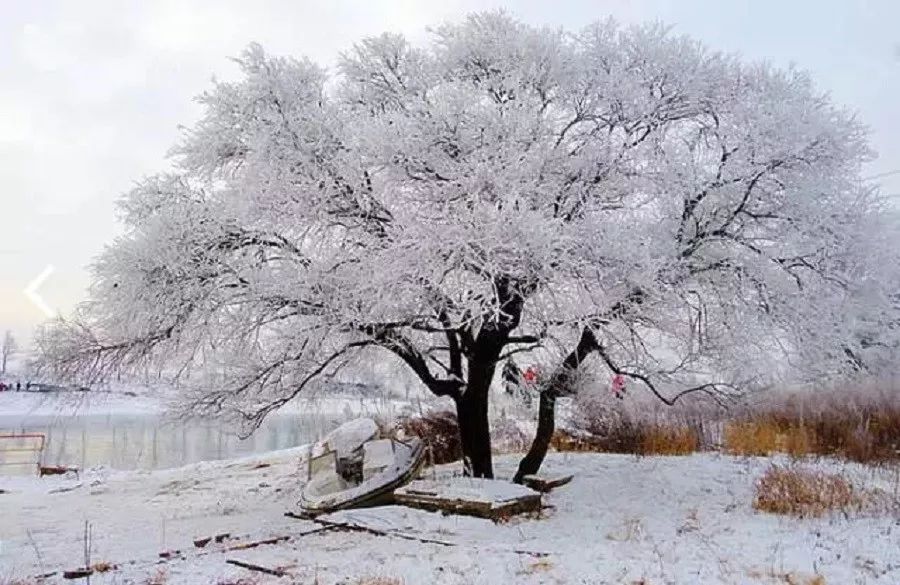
(25, 404)
(622, 520)
(158, 400)
(134, 431)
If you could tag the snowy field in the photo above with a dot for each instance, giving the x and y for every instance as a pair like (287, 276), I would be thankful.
(623, 519)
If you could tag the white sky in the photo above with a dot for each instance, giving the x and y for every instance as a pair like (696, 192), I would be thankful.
(92, 92)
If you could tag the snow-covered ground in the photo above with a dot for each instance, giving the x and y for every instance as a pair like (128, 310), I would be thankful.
(622, 520)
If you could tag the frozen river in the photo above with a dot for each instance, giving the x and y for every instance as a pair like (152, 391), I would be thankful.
(146, 441)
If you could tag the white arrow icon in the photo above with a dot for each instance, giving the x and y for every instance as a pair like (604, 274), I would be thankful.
(36, 299)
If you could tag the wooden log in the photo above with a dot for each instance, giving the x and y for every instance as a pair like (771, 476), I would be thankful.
(257, 568)
(78, 573)
(56, 470)
(257, 543)
(545, 484)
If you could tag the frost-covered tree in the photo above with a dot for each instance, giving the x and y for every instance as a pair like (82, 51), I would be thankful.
(873, 310)
(687, 219)
(8, 348)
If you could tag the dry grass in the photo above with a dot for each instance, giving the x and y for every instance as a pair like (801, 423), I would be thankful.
(806, 493)
(857, 422)
(751, 438)
(669, 440)
(654, 439)
(103, 567)
(538, 566)
(160, 577)
(440, 432)
(867, 433)
(787, 578)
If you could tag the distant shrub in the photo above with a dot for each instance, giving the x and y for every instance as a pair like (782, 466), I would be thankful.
(805, 493)
(565, 440)
(439, 431)
(598, 426)
(508, 437)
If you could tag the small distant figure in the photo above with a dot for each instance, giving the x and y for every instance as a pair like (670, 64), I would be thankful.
(618, 386)
(18, 386)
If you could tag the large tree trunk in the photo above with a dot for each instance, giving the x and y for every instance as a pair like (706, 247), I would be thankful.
(474, 428)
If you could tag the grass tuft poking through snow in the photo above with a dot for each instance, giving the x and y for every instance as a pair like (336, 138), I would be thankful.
(805, 493)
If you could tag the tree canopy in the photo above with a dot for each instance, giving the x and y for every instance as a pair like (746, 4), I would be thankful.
(695, 222)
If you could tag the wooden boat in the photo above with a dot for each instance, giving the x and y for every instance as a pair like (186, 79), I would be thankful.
(366, 477)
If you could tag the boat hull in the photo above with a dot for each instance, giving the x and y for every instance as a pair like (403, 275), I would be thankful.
(380, 492)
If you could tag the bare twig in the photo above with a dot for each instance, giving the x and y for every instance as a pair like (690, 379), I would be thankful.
(258, 568)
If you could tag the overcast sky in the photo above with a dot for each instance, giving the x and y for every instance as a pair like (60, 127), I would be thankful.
(92, 92)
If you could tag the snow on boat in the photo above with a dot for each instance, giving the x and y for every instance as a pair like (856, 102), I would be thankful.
(351, 468)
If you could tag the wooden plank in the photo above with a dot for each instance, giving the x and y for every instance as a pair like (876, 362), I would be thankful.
(77, 573)
(496, 509)
(545, 484)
